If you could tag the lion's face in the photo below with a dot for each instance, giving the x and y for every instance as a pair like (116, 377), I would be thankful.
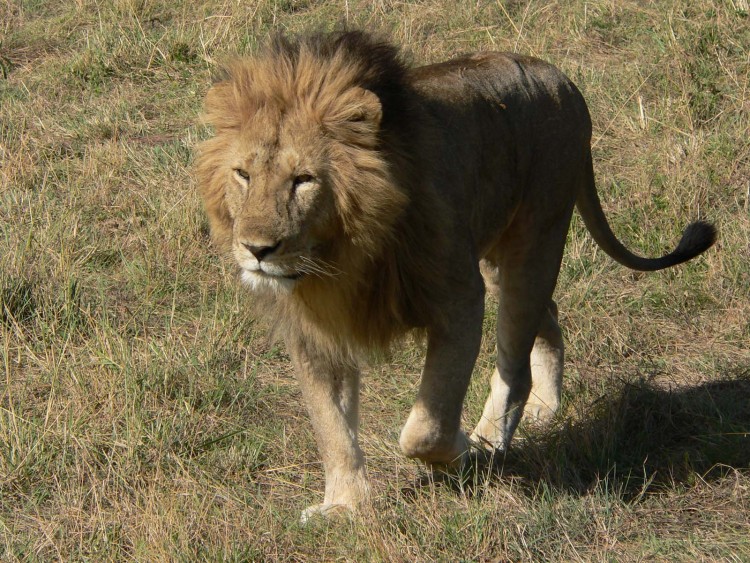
(280, 199)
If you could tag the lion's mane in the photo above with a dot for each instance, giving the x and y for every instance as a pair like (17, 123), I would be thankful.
(392, 273)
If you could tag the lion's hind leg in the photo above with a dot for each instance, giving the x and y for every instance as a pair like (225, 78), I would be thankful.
(547, 355)
(547, 359)
(524, 272)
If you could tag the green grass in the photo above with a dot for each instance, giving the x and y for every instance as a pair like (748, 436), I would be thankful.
(144, 415)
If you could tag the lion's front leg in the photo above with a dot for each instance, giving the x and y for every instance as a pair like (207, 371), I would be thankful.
(330, 389)
(433, 432)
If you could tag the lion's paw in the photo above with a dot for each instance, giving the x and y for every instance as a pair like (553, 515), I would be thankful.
(538, 413)
(326, 511)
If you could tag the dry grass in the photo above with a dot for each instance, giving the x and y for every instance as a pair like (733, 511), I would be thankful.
(143, 414)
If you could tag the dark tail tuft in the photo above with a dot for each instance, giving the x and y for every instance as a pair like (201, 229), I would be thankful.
(696, 238)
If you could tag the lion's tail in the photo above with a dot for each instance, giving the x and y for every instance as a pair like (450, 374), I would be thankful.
(696, 238)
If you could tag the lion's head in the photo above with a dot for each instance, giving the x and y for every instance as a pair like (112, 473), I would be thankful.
(295, 180)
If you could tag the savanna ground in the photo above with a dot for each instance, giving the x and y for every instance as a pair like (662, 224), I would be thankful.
(145, 416)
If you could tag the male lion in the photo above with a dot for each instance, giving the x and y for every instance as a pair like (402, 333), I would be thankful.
(365, 198)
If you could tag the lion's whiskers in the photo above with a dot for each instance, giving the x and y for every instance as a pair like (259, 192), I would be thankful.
(318, 267)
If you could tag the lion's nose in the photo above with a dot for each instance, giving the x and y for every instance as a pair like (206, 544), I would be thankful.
(260, 252)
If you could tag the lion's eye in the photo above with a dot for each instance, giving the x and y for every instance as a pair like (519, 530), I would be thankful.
(241, 175)
(302, 179)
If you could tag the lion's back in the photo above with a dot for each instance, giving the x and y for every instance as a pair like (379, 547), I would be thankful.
(496, 100)
(502, 78)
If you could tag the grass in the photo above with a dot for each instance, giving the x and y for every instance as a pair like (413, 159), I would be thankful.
(145, 416)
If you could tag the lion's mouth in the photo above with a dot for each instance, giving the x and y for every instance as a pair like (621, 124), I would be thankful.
(259, 278)
(292, 276)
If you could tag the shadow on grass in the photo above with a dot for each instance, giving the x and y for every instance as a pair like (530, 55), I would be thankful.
(638, 439)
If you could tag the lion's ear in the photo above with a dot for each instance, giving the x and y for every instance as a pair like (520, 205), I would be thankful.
(358, 112)
(368, 108)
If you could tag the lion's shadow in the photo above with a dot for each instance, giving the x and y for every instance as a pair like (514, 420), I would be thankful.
(637, 439)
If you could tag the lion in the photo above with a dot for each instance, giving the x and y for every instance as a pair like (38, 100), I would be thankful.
(363, 198)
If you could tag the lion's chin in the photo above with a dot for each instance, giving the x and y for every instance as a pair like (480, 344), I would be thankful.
(260, 281)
